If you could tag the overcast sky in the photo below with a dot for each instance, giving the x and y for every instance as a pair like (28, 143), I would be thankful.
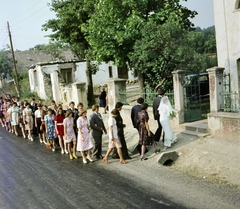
(26, 18)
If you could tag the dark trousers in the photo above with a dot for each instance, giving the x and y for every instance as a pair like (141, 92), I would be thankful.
(124, 148)
(97, 150)
(34, 130)
(158, 132)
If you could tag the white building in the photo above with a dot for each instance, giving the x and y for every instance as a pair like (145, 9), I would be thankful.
(224, 116)
(227, 26)
(61, 81)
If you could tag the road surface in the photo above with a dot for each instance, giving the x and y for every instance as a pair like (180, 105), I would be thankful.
(32, 176)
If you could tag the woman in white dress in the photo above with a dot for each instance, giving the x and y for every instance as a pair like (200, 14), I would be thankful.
(28, 120)
(69, 134)
(84, 142)
(165, 109)
(14, 116)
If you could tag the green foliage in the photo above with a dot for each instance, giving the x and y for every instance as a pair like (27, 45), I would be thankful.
(115, 25)
(156, 52)
(207, 39)
(155, 37)
(168, 47)
(66, 28)
(55, 49)
(71, 15)
(24, 87)
(5, 62)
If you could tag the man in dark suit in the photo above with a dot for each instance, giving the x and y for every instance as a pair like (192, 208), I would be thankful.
(134, 112)
(33, 106)
(156, 115)
(134, 116)
(74, 115)
(97, 126)
(120, 127)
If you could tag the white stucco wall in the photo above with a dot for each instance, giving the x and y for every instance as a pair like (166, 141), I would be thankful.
(31, 79)
(101, 77)
(41, 88)
(227, 25)
(55, 86)
(80, 73)
(48, 69)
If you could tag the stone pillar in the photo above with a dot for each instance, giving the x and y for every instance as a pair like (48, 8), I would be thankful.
(178, 85)
(79, 93)
(55, 87)
(115, 86)
(215, 88)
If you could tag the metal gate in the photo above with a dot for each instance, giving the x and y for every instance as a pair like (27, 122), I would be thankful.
(196, 90)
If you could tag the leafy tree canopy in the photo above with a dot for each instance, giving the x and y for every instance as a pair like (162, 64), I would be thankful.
(54, 49)
(66, 28)
(115, 25)
(166, 47)
(5, 62)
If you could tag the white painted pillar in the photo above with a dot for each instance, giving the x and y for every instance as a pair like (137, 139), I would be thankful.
(178, 85)
(55, 87)
(114, 87)
(215, 88)
(79, 94)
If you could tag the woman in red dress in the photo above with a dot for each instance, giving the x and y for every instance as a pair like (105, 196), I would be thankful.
(59, 129)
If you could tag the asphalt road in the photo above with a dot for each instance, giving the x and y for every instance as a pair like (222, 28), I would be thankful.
(33, 177)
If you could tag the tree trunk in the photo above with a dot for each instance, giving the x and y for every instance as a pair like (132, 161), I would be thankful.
(90, 96)
(141, 80)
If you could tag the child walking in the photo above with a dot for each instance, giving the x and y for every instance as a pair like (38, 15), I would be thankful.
(50, 127)
(113, 138)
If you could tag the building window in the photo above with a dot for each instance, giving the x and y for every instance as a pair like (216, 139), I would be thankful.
(67, 75)
(35, 78)
(110, 71)
(237, 5)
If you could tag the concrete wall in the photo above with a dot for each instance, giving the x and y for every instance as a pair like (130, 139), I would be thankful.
(43, 86)
(225, 125)
(102, 75)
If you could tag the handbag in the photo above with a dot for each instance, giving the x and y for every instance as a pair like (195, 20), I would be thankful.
(150, 139)
(48, 146)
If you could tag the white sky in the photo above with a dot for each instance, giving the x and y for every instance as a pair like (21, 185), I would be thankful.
(26, 18)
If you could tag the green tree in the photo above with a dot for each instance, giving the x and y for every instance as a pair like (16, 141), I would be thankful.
(116, 26)
(155, 54)
(67, 29)
(167, 47)
(210, 40)
(55, 49)
(5, 62)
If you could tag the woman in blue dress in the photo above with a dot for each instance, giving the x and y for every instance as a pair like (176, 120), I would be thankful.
(50, 128)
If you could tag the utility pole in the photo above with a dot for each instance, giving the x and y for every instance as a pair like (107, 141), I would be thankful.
(14, 63)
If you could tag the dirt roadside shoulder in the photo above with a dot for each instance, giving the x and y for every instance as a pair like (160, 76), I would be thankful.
(213, 159)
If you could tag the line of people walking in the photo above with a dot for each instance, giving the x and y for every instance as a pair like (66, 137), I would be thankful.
(161, 112)
(70, 127)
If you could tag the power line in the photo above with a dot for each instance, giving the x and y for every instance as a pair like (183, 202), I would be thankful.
(31, 20)
(25, 37)
(29, 17)
(4, 39)
(25, 11)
